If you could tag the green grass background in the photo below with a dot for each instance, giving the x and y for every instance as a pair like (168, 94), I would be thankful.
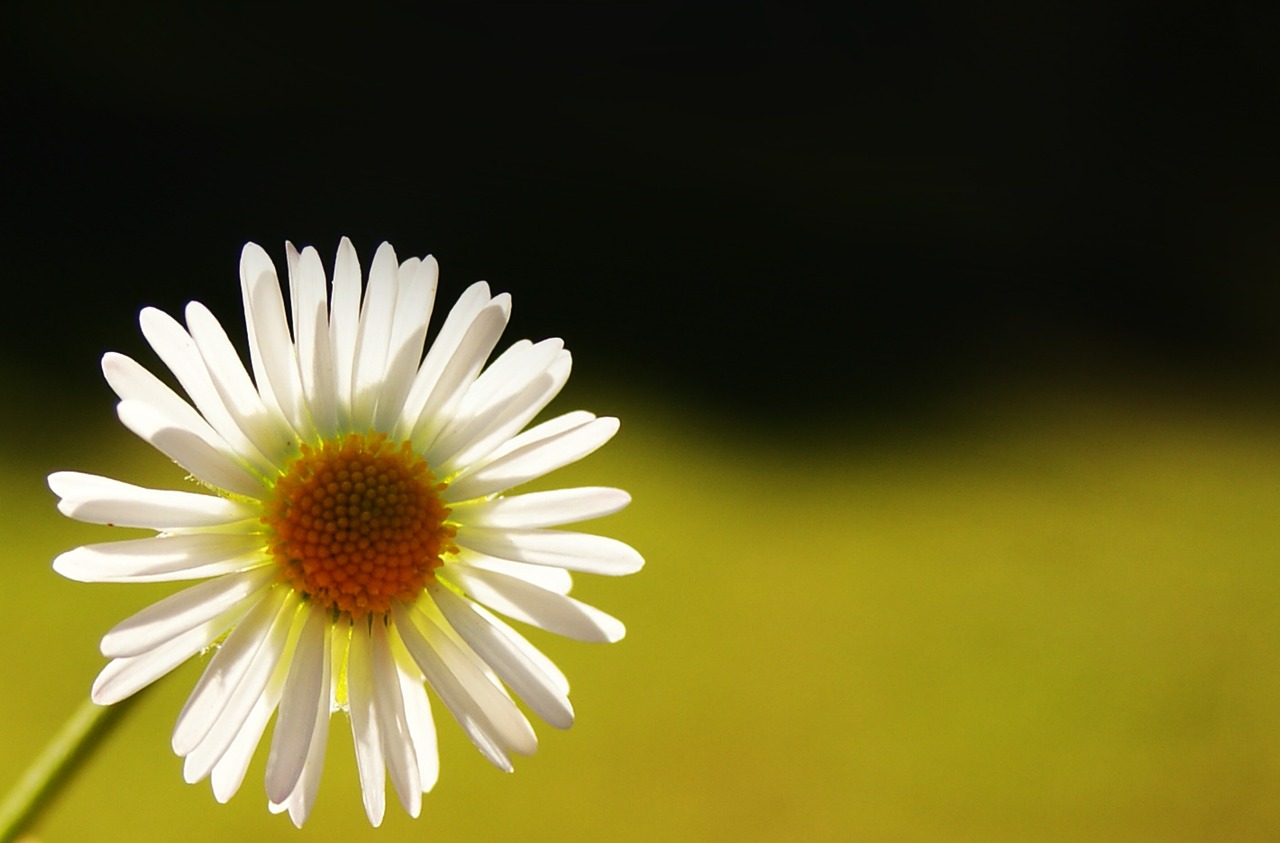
(1040, 616)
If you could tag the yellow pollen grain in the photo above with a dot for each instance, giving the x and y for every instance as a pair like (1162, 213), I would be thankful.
(357, 523)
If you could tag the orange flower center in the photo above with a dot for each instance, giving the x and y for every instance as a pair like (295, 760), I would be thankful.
(357, 523)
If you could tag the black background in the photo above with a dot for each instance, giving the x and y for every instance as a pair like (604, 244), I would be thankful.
(778, 210)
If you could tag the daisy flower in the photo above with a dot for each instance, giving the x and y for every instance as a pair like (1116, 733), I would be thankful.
(355, 537)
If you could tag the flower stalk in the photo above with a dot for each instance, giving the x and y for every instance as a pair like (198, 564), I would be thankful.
(57, 764)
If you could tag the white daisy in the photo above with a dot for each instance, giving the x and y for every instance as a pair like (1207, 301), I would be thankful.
(354, 529)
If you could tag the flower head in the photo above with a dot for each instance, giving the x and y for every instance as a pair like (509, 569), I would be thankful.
(355, 535)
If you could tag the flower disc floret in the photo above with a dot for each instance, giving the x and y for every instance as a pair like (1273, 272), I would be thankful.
(357, 523)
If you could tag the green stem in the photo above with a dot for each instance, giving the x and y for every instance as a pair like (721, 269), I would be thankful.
(55, 766)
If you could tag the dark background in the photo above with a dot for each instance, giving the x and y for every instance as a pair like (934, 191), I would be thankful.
(774, 209)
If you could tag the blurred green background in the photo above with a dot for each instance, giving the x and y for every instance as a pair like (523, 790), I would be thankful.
(944, 343)
(1047, 618)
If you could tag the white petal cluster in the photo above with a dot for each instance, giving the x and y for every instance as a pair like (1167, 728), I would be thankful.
(332, 363)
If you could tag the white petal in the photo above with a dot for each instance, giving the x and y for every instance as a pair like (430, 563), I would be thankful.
(256, 272)
(547, 667)
(542, 509)
(296, 721)
(265, 675)
(455, 326)
(132, 381)
(310, 299)
(101, 500)
(417, 714)
(189, 450)
(179, 613)
(291, 262)
(510, 370)
(264, 426)
(303, 796)
(476, 677)
(470, 437)
(344, 321)
(539, 450)
(275, 369)
(552, 579)
(508, 660)
(225, 672)
(472, 698)
(414, 302)
(373, 335)
(365, 725)
(228, 773)
(162, 558)
(584, 552)
(529, 604)
(177, 349)
(122, 678)
(511, 374)
(397, 741)
(461, 370)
